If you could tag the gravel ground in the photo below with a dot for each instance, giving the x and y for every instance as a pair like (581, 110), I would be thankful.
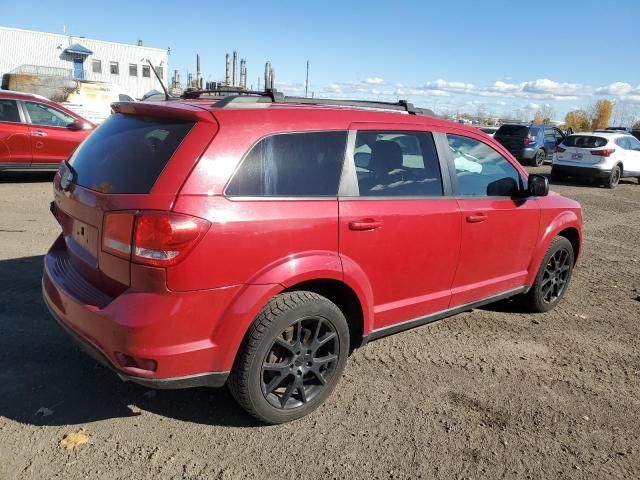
(494, 393)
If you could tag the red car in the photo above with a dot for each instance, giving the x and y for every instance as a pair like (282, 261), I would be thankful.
(36, 133)
(257, 240)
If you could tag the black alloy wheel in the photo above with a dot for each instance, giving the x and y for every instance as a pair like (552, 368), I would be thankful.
(292, 357)
(552, 279)
(300, 362)
(555, 276)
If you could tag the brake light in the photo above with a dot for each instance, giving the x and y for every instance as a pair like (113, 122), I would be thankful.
(603, 153)
(560, 150)
(159, 239)
(529, 139)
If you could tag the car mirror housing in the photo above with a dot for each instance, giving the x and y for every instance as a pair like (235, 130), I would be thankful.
(538, 185)
(78, 125)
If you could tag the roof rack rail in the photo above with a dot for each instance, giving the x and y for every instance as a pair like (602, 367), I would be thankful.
(191, 93)
(274, 96)
(231, 95)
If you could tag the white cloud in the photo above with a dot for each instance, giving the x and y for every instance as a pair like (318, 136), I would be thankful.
(533, 106)
(374, 81)
(618, 88)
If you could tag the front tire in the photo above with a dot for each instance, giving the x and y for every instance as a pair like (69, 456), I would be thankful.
(292, 357)
(614, 177)
(553, 277)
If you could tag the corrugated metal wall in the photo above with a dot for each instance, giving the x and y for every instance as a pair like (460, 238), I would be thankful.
(24, 47)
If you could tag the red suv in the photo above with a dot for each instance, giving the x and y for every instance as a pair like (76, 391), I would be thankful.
(36, 133)
(256, 240)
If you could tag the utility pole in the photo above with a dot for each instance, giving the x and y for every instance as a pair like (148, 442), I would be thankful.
(306, 83)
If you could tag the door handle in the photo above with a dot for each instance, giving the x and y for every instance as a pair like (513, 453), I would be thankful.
(366, 224)
(476, 218)
(39, 134)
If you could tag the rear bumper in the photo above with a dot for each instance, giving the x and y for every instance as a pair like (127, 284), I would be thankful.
(580, 172)
(213, 379)
(180, 333)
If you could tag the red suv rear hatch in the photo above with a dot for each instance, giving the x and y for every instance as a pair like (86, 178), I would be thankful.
(135, 161)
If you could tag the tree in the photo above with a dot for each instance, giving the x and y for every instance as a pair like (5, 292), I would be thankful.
(636, 125)
(546, 111)
(577, 120)
(538, 118)
(601, 115)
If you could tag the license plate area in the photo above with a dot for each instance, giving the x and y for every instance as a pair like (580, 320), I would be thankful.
(576, 156)
(85, 236)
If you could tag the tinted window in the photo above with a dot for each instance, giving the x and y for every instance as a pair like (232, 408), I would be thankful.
(584, 141)
(126, 154)
(9, 111)
(397, 164)
(114, 68)
(292, 165)
(96, 66)
(481, 171)
(42, 114)
(146, 71)
(513, 130)
(133, 70)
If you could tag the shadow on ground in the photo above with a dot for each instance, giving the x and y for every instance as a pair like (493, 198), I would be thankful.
(41, 367)
(26, 177)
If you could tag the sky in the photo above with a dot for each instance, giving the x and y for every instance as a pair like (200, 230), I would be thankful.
(504, 58)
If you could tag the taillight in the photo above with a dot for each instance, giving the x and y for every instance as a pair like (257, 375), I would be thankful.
(529, 139)
(160, 239)
(560, 150)
(116, 233)
(603, 153)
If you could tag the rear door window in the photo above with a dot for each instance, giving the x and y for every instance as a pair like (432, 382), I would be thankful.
(127, 153)
(9, 111)
(397, 164)
(292, 165)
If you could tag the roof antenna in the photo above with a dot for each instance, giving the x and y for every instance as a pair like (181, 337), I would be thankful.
(166, 93)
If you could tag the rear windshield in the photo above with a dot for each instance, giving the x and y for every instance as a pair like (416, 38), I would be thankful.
(513, 130)
(584, 141)
(127, 154)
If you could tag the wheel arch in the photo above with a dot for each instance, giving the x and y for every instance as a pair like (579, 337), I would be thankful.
(567, 224)
(325, 273)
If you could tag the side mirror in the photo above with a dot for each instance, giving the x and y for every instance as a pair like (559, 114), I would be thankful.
(538, 185)
(78, 125)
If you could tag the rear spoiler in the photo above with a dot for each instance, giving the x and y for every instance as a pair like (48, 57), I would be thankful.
(177, 110)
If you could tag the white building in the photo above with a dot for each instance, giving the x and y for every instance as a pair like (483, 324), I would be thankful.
(79, 58)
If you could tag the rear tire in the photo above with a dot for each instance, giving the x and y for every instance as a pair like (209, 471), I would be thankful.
(614, 177)
(539, 158)
(552, 279)
(292, 357)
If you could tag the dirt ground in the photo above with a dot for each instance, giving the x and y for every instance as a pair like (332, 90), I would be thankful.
(494, 393)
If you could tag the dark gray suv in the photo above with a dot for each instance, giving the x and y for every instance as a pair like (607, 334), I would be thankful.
(530, 144)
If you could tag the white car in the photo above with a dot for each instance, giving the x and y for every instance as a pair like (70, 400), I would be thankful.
(607, 156)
